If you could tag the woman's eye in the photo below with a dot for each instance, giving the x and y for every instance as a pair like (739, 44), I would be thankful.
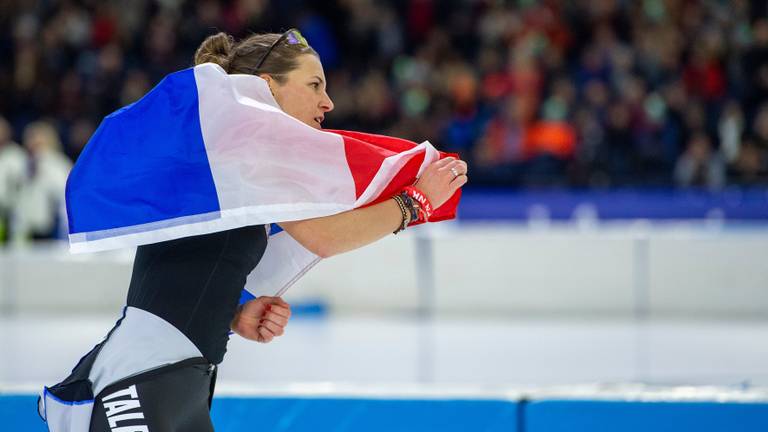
(315, 85)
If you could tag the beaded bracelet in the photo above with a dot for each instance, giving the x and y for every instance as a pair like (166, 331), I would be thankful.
(404, 212)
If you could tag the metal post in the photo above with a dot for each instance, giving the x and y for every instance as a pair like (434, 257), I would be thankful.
(642, 305)
(425, 275)
(641, 274)
(425, 284)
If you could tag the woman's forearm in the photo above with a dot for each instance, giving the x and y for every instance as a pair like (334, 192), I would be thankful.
(343, 232)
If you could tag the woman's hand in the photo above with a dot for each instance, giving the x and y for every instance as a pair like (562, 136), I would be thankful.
(441, 179)
(262, 319)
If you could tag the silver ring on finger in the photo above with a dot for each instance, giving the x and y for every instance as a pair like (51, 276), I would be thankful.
(455, 173)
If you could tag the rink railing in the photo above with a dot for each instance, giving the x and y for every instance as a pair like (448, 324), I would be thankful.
(339, 407)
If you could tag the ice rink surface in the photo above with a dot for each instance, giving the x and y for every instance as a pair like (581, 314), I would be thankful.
(492, 353)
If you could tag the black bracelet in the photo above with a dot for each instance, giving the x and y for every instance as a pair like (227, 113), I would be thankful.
(403, 211)
(411, 205)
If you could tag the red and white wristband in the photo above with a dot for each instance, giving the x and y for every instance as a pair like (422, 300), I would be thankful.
(425, 207)
(414, 207)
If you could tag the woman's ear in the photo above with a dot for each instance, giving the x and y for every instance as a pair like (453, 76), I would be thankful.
(270, 83)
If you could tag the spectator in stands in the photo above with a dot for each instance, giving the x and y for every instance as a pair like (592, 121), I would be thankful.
(730, 130)
(751, 166)
(617, 150)
(39, 210)
(760, 129)
(13, 165)
(755, 66)
(500, 153)
(751, 163)
(700, 165)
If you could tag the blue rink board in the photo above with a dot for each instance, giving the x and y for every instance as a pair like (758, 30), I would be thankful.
(370, 415)
(605, 416)
(232, 414)
(19, 413)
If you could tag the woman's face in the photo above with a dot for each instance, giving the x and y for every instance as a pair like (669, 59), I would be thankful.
(303, 95)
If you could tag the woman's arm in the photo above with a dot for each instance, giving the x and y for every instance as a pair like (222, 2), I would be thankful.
(343, 232)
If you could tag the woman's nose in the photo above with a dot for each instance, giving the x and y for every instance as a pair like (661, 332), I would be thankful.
(326, 104)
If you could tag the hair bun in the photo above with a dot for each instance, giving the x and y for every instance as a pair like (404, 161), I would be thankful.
(215, 49)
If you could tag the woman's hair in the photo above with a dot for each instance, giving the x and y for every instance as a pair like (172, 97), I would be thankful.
(242, 57)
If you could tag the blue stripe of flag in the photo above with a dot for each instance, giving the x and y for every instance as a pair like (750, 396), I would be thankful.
(145, 163)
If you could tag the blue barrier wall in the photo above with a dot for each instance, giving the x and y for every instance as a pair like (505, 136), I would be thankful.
(232, 414)
(293, 414)
(19, 413)
(658, 204)
(610, 416)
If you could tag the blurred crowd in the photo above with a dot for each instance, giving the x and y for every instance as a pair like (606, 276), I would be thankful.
(579, 93)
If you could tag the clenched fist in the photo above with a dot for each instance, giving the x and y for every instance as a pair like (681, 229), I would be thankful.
(262, 319)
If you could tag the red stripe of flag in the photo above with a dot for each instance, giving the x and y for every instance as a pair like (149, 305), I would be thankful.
(366, 152)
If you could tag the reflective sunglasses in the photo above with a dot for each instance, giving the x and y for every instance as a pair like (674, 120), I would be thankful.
(292, 37)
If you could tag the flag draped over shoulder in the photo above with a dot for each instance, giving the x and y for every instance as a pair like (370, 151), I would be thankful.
(205, 151)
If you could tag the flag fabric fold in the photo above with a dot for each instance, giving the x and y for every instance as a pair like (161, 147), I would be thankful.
(205, 151)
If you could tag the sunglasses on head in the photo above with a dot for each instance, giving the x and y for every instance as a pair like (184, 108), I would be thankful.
(292, 37)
